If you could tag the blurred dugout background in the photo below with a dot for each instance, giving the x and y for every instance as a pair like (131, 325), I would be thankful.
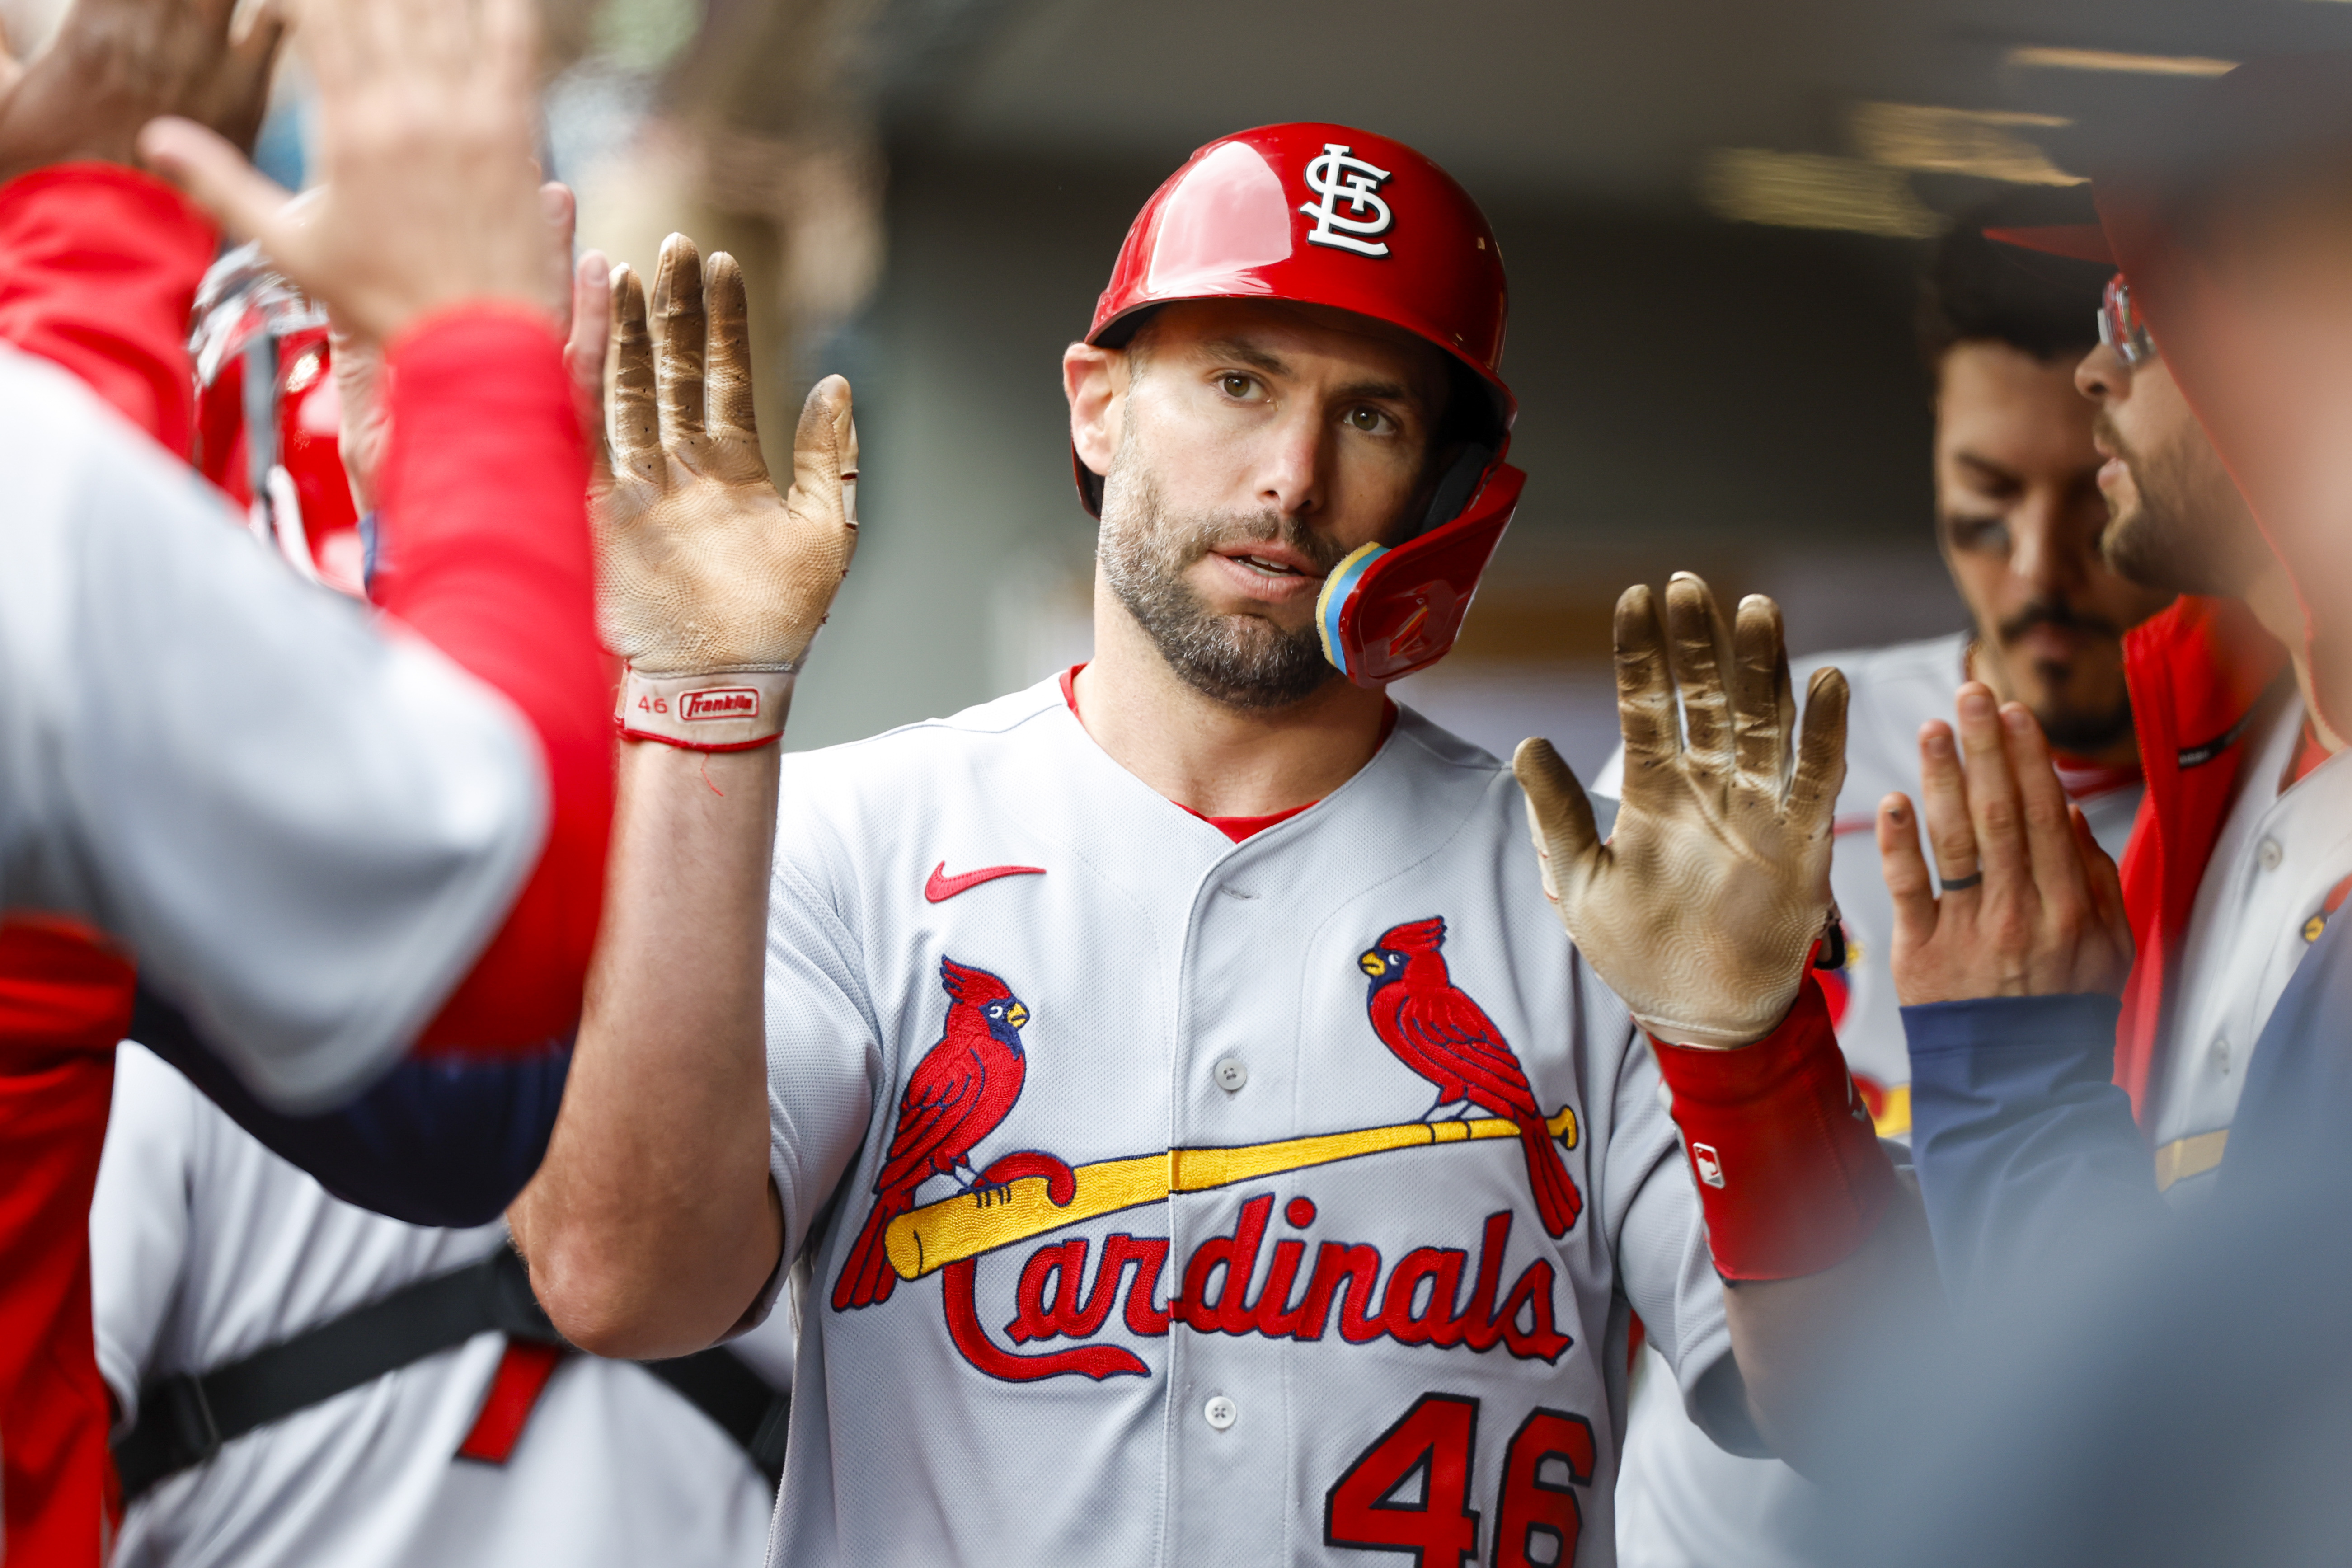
(1712, 211)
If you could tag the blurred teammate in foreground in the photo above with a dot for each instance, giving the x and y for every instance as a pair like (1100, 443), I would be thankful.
(445, 1428)
(1168, 1088)
(2018, 516)
(324, 844)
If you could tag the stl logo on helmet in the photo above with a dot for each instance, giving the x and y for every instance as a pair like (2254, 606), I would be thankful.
(1339, 179)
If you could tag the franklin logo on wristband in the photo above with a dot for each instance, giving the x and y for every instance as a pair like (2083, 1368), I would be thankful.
(720, 702)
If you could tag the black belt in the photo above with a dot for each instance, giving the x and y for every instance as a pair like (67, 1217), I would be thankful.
(184, 1419)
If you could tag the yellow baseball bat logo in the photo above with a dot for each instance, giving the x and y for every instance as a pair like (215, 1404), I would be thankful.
(970, 1223)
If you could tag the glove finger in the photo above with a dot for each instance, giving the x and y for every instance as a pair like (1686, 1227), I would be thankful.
(584, 350)
(677, 361)
(825, 455)
(633, 423)
(1559, 815)
(1762, 712)
(1697, 643)
(1821, 754)
(727, 372)
(1646, 693)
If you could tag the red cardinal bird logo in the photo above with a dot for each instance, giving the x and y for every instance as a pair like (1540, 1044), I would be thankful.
(1437, 1031)
(957, 1094)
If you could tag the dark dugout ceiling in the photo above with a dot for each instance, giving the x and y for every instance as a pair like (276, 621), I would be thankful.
(1879, 105)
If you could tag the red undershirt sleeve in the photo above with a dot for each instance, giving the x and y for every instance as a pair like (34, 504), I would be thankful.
(98, 268)
(483, 550)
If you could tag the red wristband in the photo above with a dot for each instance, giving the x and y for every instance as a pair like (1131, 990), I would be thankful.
(1788, 1169)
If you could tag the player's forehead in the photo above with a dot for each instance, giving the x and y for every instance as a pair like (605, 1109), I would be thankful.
(1293, 341)
(1997, 403)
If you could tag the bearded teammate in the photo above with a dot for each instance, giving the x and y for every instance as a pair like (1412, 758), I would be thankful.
(2219, 437)
(1222, 1291)
(2019, 518)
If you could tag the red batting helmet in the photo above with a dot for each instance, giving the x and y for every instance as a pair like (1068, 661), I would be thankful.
(1324, 215)
(268, 419)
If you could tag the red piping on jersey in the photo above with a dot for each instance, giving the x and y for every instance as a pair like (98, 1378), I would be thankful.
(2198, 671)
(1233, 827)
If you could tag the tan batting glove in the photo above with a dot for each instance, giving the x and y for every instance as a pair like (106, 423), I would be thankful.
(708, 582)
(1703, 908)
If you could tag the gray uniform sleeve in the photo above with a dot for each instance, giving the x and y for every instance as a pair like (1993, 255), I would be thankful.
(1663, 1262)
(304, 826)
(823, 1043)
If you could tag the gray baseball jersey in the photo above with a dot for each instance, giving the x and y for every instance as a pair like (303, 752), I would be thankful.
(1229, 1287)
(304, 826)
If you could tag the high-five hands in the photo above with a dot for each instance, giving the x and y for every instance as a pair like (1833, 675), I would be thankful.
(708, 582)
(1703, 908)
(426, 136)
(2031, 905)
(115, 65)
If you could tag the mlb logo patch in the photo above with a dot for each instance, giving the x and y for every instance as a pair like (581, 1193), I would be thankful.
(1707, 1164)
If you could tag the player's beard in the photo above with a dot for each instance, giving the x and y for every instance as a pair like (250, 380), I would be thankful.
(1242, 661)
(2188, 531)
(2071, 725)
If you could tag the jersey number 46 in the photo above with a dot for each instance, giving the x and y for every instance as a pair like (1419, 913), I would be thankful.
(1410, 1491)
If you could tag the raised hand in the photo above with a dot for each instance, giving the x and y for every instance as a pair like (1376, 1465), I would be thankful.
(424, 142)
(115, 65)
(580, 304)
(702, 569)
(1703, 908)
(2031, 904)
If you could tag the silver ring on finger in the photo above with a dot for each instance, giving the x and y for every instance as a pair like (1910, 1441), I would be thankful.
(1959, 884)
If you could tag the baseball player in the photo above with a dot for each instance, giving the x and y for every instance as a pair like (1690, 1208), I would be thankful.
(213, 1258)
(2239, 863)
(1189, 1135)
(2018, 517)
(324, 844)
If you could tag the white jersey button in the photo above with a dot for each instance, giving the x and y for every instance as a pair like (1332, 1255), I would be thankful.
(2220, 1055)
(1230, 1075)
(2270, 854)
(1219, 1412)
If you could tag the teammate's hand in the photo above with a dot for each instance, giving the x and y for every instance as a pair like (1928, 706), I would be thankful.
(581, 305)
(2031, 905)
(701, 567)
(114, 65)
(425, 130)
(1703, 906)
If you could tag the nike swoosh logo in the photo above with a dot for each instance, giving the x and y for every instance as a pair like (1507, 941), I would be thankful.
(940, 887)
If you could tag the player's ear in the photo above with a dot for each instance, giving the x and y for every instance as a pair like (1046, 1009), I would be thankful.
(1095, 381)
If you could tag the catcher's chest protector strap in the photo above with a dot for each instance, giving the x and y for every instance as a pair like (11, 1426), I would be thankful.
(184, 1419)
(1789, 1172)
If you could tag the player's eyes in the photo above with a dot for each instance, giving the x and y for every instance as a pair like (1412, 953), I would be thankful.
(1978, 535)
(1371, 421)
(1235, 384)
